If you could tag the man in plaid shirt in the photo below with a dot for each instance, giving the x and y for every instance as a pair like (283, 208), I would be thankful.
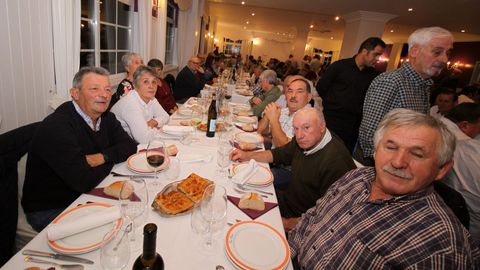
(389, 217)
(407, 87)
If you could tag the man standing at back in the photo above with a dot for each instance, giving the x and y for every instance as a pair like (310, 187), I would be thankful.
(73, 149)
(343, 87)
(406, 87)
(189, 81)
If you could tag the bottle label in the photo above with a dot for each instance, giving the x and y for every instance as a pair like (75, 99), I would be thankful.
(211, 127)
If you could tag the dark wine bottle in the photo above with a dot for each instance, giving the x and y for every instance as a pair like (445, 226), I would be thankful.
(212, 117)
(149, 259)
(234, 79)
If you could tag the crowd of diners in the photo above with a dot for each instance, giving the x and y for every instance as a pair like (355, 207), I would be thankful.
(355, 154)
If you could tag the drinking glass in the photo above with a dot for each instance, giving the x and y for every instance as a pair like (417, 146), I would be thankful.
(223, 153)
(213, 209)
(173, 169)
(155, 156)
(115, 251)
(134, 204)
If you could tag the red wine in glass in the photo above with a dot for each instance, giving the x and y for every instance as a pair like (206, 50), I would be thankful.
(155, 160)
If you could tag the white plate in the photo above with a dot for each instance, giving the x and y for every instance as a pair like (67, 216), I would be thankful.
(245, 119)
(240, 106)
(256, 245)
(184, 111)
(262, 177)
(249, 137)
(88, 240)
(138, 163)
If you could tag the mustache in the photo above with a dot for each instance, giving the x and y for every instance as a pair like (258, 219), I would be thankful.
(293, 99)
(402, 173)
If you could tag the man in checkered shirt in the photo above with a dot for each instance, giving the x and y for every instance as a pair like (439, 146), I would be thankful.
(407, 87)
(389, 216)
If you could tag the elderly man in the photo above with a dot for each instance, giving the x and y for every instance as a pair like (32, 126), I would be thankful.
(317, 157)
(464, 122)
(73, 149)
(131, 61)
(255, 80)
(268, 82)
(406, 87)
(445, 101)
(277, 121)
(343, 87)
(389, 217)
(189, 81)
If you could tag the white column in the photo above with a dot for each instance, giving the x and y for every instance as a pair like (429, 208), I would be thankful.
(299, 44)
(360, 25)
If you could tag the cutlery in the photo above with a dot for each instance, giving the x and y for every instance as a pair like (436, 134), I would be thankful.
(253, 189)
(243, 191)
(115, 174)
(56, 256)
(128, 229)
(62, 266)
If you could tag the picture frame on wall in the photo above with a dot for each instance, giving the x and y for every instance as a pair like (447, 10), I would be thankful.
(155, 8)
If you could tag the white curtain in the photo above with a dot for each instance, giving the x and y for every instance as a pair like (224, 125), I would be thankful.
(187, 33)
(66, 46)
(142, 29)
(159, 32)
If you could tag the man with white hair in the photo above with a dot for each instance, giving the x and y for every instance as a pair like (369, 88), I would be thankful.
(389, 216)
(406, 87)
(268, 81)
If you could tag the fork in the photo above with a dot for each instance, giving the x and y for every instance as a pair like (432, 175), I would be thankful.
(264, 194)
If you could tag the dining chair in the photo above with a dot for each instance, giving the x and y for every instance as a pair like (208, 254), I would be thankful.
(13, 145)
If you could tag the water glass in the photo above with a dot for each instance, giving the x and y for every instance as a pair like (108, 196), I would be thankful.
(223, 153)
(213, 209)
(115, 251)
(173, 170)
(134, 207)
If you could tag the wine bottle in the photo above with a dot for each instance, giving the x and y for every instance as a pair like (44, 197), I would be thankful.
(149, 259)
(212, 117)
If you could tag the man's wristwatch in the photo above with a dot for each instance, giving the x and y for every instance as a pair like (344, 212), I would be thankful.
(106, 158)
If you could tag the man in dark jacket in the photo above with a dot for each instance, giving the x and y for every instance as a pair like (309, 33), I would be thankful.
(189, 81)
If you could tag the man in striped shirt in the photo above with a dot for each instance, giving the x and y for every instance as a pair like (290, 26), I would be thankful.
(389, 217)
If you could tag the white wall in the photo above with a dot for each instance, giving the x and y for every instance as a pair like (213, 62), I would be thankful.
(26, 69)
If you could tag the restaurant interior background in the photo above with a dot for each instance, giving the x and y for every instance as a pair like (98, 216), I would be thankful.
(44, 42)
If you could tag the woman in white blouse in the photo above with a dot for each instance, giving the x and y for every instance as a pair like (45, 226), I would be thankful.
(139, 112)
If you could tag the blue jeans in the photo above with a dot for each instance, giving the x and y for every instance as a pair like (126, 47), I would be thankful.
(40, 219)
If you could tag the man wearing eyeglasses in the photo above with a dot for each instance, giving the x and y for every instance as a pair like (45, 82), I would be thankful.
(189, 81)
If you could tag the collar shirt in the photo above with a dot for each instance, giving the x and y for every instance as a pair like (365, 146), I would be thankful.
(347, 231)
(465, 175)
(133, 113)
(87, 118)
(281, 101)
(257, 89)
(401, 88)
(326, 139)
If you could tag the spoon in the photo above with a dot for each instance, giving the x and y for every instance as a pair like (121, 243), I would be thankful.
(128, 229)
(62, 266)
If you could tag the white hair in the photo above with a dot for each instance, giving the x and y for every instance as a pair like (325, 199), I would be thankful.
(423, 35)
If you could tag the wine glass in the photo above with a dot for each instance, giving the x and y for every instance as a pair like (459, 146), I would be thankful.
(223, 153)
(156, 156)
(134, 204)
(213, 209)
(115, 251)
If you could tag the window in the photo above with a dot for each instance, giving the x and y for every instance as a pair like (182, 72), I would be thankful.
(172, 25)
(104, 43)
(232, 46)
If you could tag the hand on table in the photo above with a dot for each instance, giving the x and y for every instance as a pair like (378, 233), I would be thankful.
(152, 123)
(239, 155)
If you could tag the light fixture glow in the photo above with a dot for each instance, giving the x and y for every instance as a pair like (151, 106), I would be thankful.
(410, 9)
(248, 22)
(463, 30)
(337, 18)
(391, 31)
(253, 14)
(331, 37)
(244, 27)
(243, 2)
(311, 25)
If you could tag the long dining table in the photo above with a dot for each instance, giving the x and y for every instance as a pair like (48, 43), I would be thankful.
(176, 242)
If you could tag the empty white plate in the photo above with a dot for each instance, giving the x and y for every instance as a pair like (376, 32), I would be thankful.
(249, 137)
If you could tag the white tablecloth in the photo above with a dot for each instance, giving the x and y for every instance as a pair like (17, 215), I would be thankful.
(175, 239)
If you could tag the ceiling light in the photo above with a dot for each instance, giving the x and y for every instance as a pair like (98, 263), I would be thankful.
(463, 30)
(278, 33)
(391, 31)
(244, 27)
(410, 9)
(337, 18)
(331, 37)
(253, 14)
(243, 2)
(311, 25)
(247, 22)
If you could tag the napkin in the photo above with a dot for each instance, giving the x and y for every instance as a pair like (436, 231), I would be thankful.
(242, 176)
(177, 129)
(253, 214)
(194, 157)
(57, 231)
(99, 192)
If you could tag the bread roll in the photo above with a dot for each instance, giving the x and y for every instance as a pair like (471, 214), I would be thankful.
(251, 200)
(247, 127)
(115, 188)
(172, 150)
(243, 113)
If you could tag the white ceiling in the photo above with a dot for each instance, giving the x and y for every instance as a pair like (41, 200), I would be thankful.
(284, 18)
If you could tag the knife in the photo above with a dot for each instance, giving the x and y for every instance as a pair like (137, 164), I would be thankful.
(60, 257)
(115, 174)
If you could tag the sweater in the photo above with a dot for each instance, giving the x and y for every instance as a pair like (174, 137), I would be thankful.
(57, 171)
